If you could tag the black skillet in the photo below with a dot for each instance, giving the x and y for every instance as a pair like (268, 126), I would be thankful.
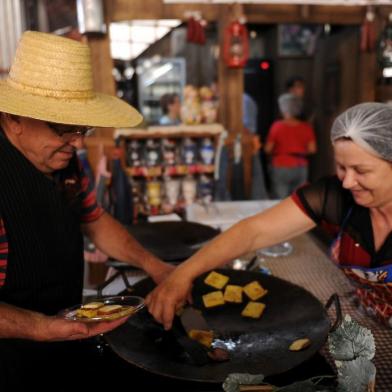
(258, 346)
(172, 241)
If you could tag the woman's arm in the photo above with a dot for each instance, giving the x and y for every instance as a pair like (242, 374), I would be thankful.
(277, 224)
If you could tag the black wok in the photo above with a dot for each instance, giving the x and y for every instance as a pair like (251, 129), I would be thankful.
(258, 346)
(172, 241)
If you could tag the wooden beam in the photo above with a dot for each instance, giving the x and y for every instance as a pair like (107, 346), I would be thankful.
(120, 10)
(368, 67)
(367, 77)
(231, 83)
(295, 13)
(102, 64)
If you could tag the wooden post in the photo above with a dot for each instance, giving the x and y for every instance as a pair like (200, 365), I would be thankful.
(231, 88)
(102, 63)
(231, 81)
(368, 72)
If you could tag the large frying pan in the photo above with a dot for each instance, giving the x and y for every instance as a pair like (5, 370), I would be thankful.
(259, 346)
(172, 241)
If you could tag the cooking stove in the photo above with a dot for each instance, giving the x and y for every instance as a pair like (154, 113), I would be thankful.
(315, 366)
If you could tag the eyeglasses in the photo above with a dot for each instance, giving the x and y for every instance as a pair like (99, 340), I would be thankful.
(70, 131)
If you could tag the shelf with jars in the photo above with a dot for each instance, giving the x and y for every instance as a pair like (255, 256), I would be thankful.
(383, 91)
(169, 167)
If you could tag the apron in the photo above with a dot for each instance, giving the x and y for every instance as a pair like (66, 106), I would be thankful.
(373, 286)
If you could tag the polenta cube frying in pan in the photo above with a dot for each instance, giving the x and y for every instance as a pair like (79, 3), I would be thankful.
(233, 294)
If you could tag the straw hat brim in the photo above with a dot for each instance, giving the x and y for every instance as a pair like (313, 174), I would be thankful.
(100, 111)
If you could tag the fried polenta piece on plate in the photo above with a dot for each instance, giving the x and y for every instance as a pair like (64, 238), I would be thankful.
(215, 298)
(254, 290)
(233, 293)
(89, 310)
(216, 280)
(253, 310)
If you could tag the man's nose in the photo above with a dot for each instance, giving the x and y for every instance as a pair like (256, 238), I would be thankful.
(76, 141)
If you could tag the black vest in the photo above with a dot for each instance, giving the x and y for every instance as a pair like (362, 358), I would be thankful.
(42, 221)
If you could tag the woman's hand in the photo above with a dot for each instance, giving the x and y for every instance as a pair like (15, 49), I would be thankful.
(168, 297)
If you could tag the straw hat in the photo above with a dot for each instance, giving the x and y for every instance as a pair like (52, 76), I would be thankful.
(51, 80)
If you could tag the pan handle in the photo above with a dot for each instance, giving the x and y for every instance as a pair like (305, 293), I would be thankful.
(334, 299)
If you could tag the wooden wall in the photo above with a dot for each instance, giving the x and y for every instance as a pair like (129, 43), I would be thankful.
(335, 88)
(120, 10)
(338, 60)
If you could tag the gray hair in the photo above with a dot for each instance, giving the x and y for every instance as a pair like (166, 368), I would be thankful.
(369, 125)
(290, 104)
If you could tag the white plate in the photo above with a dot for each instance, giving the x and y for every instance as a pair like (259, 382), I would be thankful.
(131, 304)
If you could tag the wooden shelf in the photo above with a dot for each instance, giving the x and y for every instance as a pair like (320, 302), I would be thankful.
(178, 131)
(177, 170)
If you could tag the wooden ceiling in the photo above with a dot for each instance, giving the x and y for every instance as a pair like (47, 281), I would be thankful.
(120, 10)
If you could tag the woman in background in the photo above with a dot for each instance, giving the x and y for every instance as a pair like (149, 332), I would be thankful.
(171, 108)
(289, 142)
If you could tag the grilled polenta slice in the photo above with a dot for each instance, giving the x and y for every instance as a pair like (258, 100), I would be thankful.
(253, 310)
(233, 294)
(215, 298)
(254, 290)
(216, 280)
(202, 336)
(300, 344)
(89, 310)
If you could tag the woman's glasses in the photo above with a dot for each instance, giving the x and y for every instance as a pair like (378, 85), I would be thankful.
(70, 131)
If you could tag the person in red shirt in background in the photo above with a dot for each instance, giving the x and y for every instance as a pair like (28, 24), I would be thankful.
(289, 142)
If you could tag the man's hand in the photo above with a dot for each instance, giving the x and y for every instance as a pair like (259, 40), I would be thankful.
(168, 297)
(160, 271)
(51, 329)
(25, 324)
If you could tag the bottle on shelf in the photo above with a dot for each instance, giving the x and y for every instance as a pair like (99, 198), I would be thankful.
(169, 152)
(206, 189)
(189, 189)
(154, 199)
(134, 153)
(189, 151)
(207, 151)
(152, 154)
(385, 53)
(171, 188)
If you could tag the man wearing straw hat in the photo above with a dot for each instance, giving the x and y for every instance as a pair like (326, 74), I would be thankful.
(47, 106)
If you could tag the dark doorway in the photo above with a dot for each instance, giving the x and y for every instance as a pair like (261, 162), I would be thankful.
(259, 84)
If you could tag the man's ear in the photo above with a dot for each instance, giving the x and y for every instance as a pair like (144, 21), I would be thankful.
(11, 122)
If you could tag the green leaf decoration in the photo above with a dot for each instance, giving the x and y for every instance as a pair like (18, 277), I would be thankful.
(356, 375)
(351, 341)
(234, 380)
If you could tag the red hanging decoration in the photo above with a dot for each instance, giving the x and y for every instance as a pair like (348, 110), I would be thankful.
(195, 31)
(236, 45)
(190, 36)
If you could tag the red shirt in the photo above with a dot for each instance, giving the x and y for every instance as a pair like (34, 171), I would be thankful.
(290, 143)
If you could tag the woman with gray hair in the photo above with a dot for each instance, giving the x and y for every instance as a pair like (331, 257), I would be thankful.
(289, 142)
(355, 206)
